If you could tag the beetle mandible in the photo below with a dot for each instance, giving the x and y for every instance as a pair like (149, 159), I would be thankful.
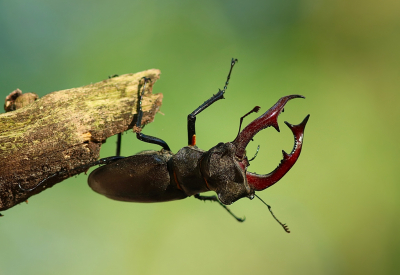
(159, 176)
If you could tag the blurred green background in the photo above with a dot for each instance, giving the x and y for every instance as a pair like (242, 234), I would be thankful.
(341, 199)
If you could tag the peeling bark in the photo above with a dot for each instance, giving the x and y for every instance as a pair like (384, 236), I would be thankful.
(64, 130)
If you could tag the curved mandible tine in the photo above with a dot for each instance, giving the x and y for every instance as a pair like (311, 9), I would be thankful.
(261, 182)
(269, 118)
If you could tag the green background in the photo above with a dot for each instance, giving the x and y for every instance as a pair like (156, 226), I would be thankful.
(341, 199)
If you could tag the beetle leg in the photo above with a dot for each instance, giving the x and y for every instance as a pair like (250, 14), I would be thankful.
(192, 116)
(154, 140)
(214, 198)
(138, 126)
(119, 139)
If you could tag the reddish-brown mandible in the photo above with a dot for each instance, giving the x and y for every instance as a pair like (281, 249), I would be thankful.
(270, 118)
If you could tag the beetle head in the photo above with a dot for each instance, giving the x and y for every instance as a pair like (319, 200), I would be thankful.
(224, 174)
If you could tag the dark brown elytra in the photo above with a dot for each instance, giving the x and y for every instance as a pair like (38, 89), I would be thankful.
(159, 176)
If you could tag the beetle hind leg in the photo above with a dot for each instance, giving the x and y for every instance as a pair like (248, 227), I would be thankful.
(214, 198)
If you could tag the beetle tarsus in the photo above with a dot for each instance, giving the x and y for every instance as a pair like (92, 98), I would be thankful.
(140, 111)
(214, 198)
(233, 62)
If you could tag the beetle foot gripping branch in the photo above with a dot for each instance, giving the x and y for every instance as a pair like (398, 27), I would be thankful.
(270, 118)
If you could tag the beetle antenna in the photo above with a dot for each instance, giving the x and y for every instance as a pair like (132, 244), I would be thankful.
(214, 198)
(285, 227)
(258, 148)
(255, 110)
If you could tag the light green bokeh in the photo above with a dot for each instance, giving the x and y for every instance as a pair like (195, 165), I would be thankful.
(341, 200)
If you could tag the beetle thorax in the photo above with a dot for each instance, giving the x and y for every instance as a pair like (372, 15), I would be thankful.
(186, 170)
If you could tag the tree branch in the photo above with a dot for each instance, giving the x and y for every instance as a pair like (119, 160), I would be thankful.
(64, 130)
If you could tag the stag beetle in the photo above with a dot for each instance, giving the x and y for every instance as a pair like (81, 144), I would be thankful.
(159, 176)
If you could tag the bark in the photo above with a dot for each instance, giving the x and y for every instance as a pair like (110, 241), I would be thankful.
(64, 130)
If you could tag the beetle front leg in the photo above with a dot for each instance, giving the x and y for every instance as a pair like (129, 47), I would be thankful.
(192, 116)
(214, 198)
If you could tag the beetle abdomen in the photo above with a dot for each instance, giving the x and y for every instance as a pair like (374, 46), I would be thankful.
(139, 178)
